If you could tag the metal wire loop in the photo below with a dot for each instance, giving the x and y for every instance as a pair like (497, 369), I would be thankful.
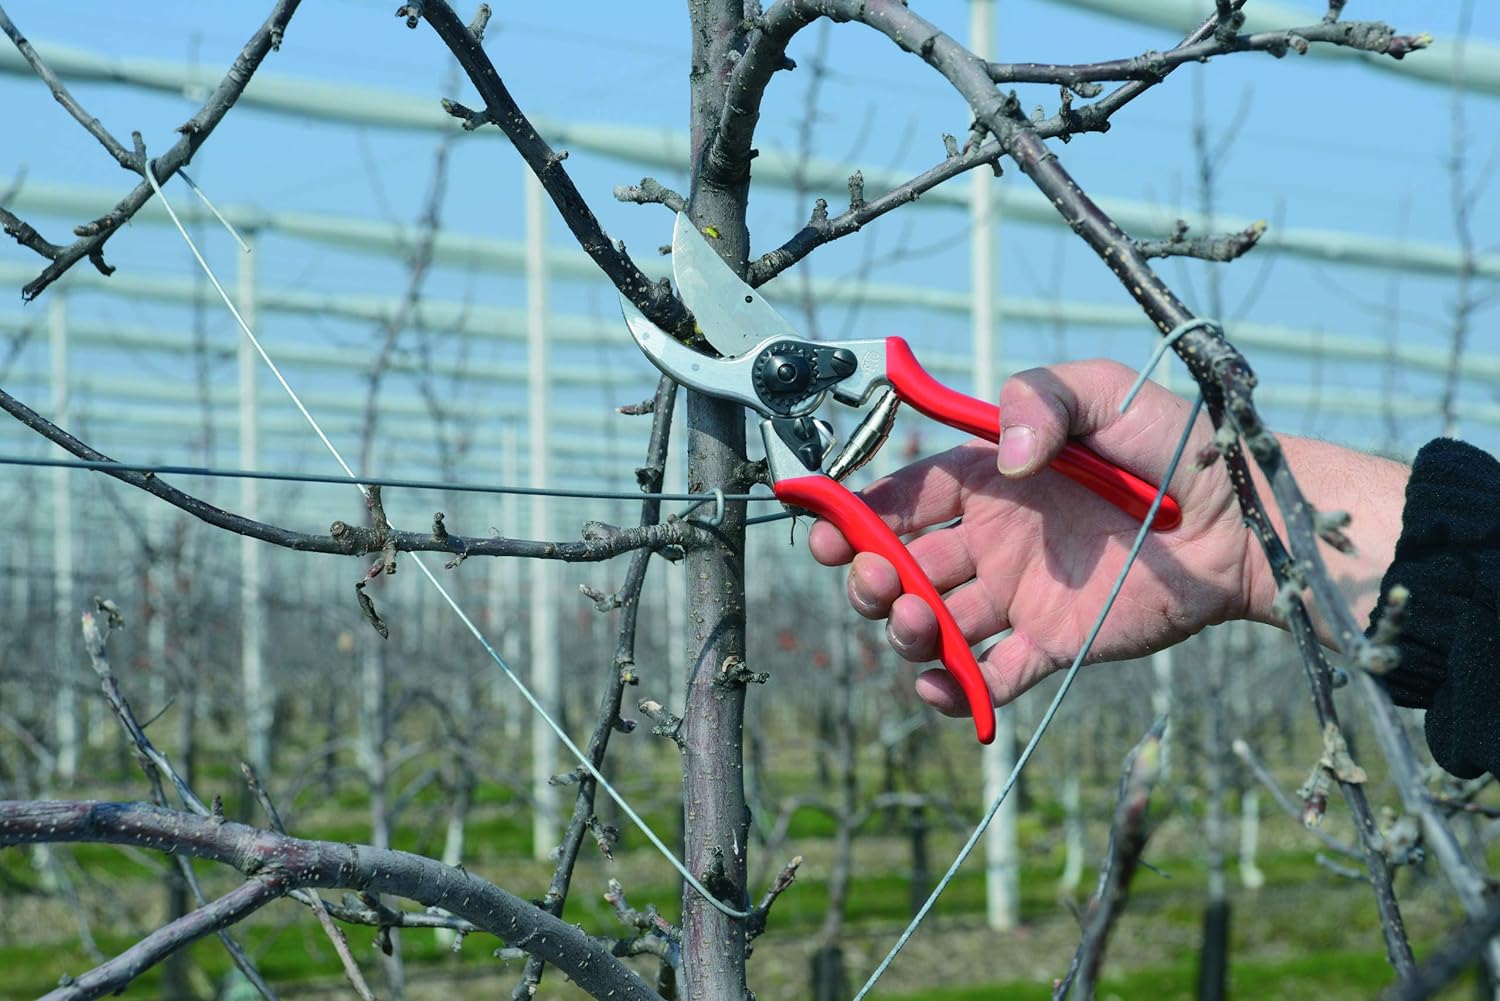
(1162, 347)
(717, 496)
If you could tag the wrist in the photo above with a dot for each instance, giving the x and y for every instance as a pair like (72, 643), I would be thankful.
(1332, 478)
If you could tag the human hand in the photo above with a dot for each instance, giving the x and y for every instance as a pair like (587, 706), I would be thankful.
(1037, 554)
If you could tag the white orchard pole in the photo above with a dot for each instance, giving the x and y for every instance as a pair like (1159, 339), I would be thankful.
(544, 577)
(260, 698)
(1002, 884)
(503, 594)
(68, 627)
(158, 530)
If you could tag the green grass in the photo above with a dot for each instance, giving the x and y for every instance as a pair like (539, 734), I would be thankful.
(1328, 976)
(285, 956)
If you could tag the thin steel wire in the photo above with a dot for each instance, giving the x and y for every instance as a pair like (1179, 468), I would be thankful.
(1161, 348)
(106, 465)
(463, 617)
(1047, 717)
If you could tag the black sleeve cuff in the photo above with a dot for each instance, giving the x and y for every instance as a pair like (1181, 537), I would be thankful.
(1448, 556)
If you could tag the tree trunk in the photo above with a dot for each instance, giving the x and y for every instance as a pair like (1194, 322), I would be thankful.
(715, 815)
(829, 980)
(921, 864)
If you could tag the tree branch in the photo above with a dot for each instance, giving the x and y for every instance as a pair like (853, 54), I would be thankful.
(1449, 960)
(155, 764)
(1221, 371)
(1093, 118)
(26, 236)
(752, 72)
(112, 976)
(600, 541)
(1469, 883)
(656, 301)
(1151, 67)
(195, 131)
(1223, 248)
(285, 863)
(92, 125)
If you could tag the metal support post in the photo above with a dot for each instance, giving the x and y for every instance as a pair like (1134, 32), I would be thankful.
(545, 820)
(1001, 850)
(503, 592)
(66, 642)
(259, 694)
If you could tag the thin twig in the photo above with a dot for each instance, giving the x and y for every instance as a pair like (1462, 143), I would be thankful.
(1223, 248)
(1127, 841)
(820, 229)
(783, 881)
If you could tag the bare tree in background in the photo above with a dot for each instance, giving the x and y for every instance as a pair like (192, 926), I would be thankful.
(737, 50)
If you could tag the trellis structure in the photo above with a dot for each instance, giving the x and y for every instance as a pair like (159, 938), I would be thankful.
(134, 414)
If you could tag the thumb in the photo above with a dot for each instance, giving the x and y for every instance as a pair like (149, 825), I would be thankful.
(1041, 408)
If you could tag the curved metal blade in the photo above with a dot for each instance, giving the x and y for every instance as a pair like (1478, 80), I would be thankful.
(732, 316)
(727, 378)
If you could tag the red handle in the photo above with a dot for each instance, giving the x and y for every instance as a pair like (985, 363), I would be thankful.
(1124, 490)
(866, 532)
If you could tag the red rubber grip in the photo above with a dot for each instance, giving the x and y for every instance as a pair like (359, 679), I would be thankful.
(1125, 490)
(867, 533)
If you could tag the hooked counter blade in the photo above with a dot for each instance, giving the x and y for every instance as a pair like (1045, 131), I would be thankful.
(731, 315)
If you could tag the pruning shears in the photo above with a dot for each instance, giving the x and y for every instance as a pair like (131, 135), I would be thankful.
(784, 377)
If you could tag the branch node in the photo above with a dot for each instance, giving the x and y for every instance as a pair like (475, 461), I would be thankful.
(1328, 525)
(856, 191)
(412, 12)
(470, 118)
(1314, 795)
(668, 724)
(735, 673)
(1401, 838)
(602, 602)
(642, 409)
(651, 192)
(480, 22)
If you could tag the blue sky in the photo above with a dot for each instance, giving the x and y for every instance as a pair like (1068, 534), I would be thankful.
(1318, 145)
